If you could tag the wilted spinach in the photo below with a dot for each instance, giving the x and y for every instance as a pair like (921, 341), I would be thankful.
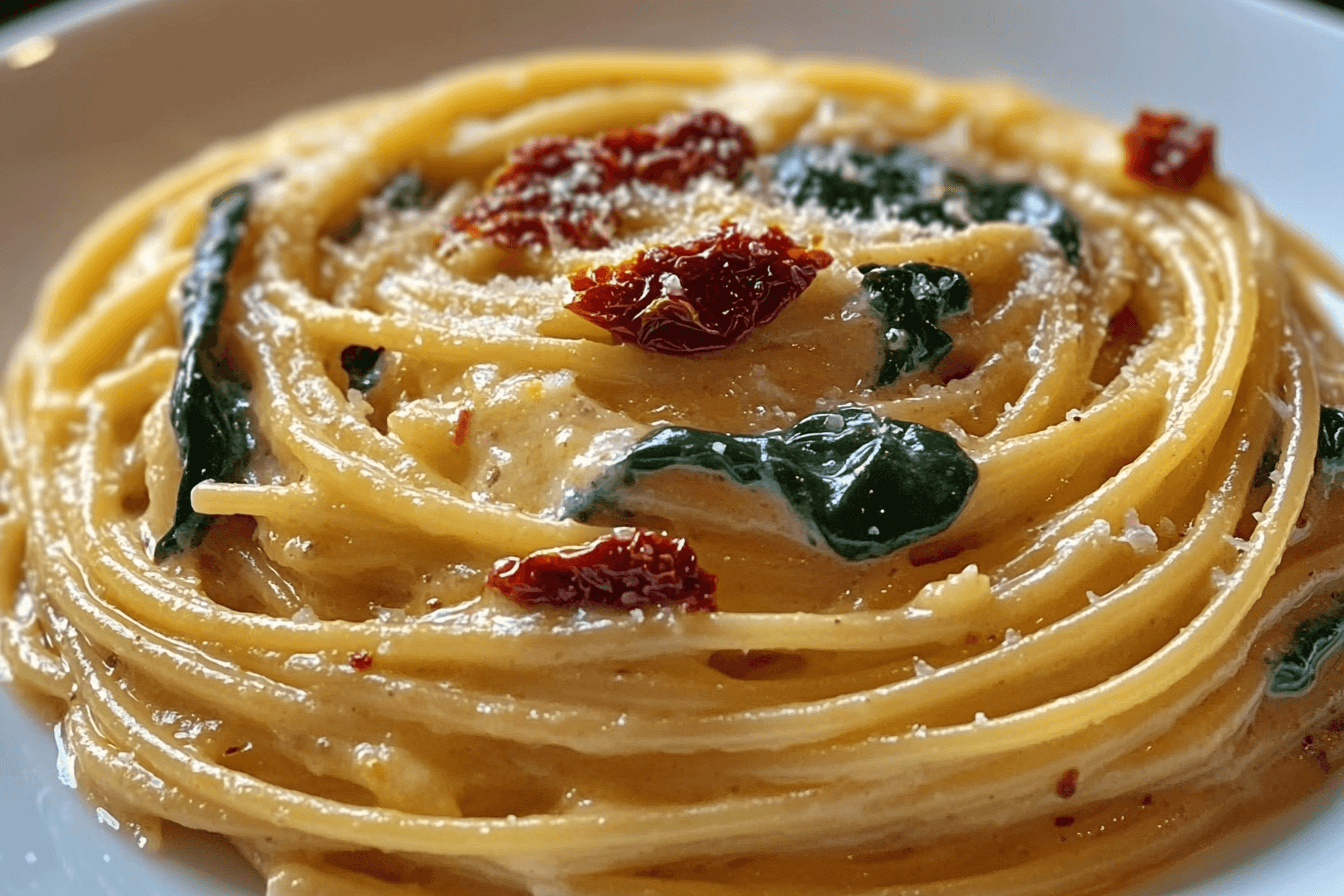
(209, 405)
(361, 366)
(911, 300)
(864, 484)
(1314, 641)
(914, 187)
(1330, 446)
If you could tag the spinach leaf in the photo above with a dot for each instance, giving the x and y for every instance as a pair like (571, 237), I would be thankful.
(863, 484)
(360, 363)
(1018, 202)
(851, 180)
(1330, 447)
(1269, 462)
(1314, 641)
(209, 405)
(1329, 451)
(911, 299)
(912, 186)
(407, 190)
(1269, 459)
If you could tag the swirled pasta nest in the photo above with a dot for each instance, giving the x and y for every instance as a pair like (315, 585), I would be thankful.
(1060, 687)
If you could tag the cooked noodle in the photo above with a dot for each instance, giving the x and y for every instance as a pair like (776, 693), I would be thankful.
(327, 680)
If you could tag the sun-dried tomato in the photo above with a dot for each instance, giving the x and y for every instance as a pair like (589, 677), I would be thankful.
(1166, 150)
(699, 296)
(685, 147)
(559, 189)
(627, 569)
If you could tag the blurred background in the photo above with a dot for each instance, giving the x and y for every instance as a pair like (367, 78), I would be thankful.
(12, 9)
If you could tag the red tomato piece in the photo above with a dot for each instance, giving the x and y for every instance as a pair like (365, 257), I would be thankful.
(699, 296)
(1165, 150)
(560, 189)
(627, 569)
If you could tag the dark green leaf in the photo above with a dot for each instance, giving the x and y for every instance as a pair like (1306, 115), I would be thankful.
(407, 190)
(1314, 641)
(209, 406)
(863, 484)
(1330, 447)
(1269, 459)
(850, 180)
(1017, 202)
(911, 299)
(360, 363)
(931, 211)
(912, 186)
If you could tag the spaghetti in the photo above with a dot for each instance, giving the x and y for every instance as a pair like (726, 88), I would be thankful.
(682, 475)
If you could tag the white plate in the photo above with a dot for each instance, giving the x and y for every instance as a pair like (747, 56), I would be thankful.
(132, 87)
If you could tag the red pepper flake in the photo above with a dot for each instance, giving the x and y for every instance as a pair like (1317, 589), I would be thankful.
(559, 189)
(1067, 785)
(627, 569)
(361, 662)
(699, 296)
(1063, 821)
(462, 427)
(1165, 150)
(1336, 725)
